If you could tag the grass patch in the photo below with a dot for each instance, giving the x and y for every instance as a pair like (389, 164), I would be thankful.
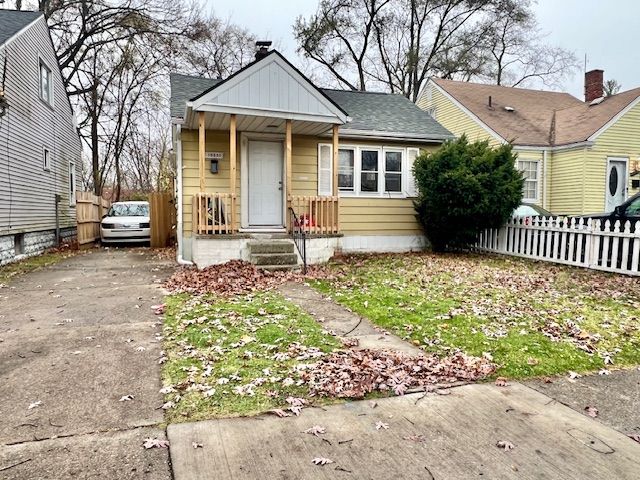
(236, 357)
(532, 319)
(11, 270)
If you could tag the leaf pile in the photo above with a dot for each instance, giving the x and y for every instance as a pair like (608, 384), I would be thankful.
(355, 373)
(235, 277)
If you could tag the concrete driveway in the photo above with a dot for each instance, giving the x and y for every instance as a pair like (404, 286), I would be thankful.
(74, 339)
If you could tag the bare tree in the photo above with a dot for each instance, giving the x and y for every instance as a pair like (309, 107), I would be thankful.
(611, 87)
(516, 50)
(396, 45)
(339, 36)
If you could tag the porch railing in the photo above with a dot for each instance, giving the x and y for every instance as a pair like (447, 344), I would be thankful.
(214, 213)
(316, 215)
(299, 237)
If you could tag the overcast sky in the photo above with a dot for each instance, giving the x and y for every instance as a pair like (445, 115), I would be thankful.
(606, 31)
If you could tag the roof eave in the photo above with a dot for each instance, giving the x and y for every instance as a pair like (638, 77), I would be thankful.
(22, 30)
(404, 136)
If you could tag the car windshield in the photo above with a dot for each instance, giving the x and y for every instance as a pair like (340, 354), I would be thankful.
(634, 207)
(129, 210)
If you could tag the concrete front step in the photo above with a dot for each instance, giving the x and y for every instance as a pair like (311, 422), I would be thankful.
(260, 259)
(271, 246)
(273, 268)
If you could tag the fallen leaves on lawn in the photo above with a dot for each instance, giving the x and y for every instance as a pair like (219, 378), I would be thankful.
(355, 373)
(316, 430)
(321, 461)
(234, 278)
(506, 446)
(280, 413)
(155, 443)
(158, 309)
(591, 411)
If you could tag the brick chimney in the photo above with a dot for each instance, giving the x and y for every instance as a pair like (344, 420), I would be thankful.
(593, 85)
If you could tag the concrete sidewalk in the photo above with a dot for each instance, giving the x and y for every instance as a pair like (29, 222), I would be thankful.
(449, 437)
(74, 339)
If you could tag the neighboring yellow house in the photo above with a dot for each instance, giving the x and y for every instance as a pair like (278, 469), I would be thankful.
(577, 157)
(265, 154)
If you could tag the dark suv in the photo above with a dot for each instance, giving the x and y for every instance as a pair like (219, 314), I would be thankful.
(629, 210)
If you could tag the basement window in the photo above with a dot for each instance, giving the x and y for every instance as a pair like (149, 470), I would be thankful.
(18, 244)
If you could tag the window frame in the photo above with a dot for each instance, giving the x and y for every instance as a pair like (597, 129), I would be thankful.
(405, 173)
(49, 100)
(354, 149)
(46, 159)
(71, 177)
(401, 173)
(538, 163)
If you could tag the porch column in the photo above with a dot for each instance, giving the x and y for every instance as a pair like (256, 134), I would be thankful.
(232, 169)
(201, 149)
(287, 155)
(334, 182)
(336, 211)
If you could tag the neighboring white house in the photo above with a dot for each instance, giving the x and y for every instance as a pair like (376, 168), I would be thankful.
(40, 150)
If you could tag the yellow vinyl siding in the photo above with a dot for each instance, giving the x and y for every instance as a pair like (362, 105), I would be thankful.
(453, 118)
(378, 216)
(215, 142)
(567, 185)
(358, 215)
(621, 140)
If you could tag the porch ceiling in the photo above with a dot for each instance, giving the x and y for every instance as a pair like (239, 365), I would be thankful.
(255, 123)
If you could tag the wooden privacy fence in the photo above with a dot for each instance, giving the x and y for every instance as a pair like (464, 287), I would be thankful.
(317, 215)
(580, 242)
(89, 211)
(162, 218)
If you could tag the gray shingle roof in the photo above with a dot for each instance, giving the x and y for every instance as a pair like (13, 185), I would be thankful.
(387, 113)
(369, 111)
(12, 21)
(184, 88)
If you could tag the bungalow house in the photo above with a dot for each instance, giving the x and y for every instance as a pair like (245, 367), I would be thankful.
(577, 157)
(39, 143)
(266, 152)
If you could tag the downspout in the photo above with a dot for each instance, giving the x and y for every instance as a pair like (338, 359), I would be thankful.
(545, 184)
(179, 259)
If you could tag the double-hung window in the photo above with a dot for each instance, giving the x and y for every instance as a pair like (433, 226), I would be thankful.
(369, 170)
(393, 171)
(529, 169)
(46, 87)
(346, 169)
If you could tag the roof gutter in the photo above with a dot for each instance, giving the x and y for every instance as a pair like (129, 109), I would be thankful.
(403, 136)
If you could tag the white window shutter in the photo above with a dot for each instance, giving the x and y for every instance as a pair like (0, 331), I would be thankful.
(412, 187)
(325, 169)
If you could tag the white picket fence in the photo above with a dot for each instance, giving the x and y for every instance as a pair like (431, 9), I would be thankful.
(580, 242)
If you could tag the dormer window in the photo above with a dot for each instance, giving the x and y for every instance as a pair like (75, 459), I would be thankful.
(46, 87)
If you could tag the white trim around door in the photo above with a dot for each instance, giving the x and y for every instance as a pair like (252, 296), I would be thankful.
(274, 220)
(616, 182)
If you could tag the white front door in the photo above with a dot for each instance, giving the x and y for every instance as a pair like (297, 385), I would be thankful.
(265, 162)
(616, 186)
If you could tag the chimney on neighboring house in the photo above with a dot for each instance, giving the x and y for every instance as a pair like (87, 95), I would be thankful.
(593, 85)
(262, 49)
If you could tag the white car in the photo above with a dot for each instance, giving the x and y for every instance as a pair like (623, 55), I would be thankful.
(126, 222)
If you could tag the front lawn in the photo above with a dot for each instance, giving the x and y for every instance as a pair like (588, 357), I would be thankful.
(532, 319)
(236, 356)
